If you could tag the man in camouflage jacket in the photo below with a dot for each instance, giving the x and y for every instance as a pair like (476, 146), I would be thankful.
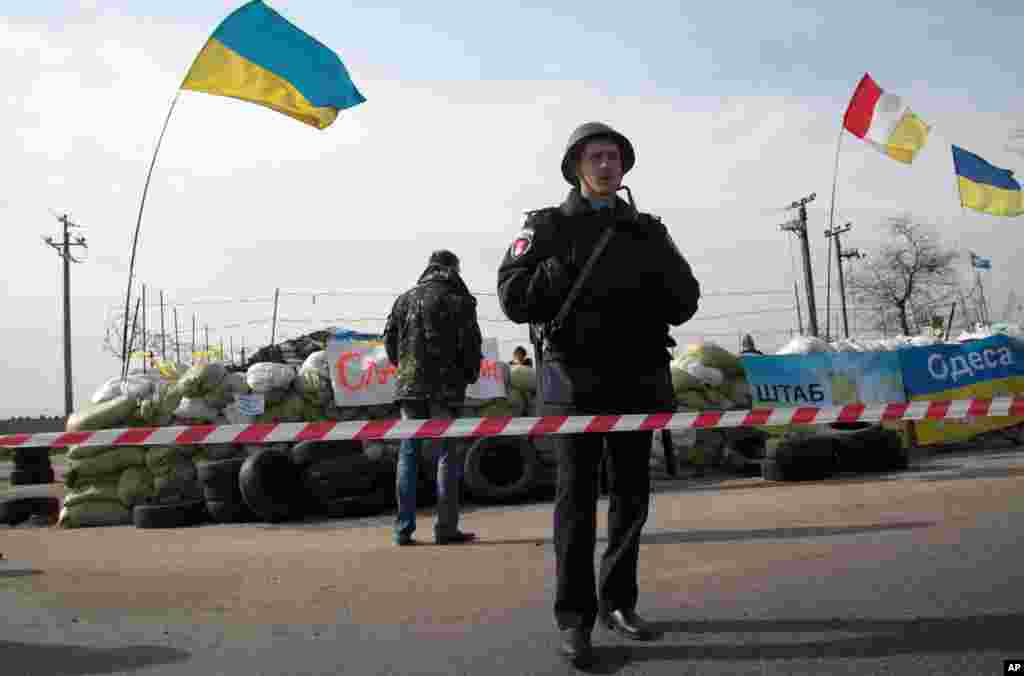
(433, 338)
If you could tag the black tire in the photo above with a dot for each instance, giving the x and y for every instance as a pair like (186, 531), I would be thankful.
(175, 515)
(306, 453)
(229, 512)
(809, 459)
(381, 499)
(341, 477)
(873, 450)
(219, 479)
(770, 470)
(24, 477)
(500, 469)
(31, 458)
(16, 510)
(271, 485)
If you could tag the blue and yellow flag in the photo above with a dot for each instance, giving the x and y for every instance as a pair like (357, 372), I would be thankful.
(258, 56)
(985, 187)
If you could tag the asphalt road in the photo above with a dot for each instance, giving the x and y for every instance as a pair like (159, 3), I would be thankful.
(917, 593)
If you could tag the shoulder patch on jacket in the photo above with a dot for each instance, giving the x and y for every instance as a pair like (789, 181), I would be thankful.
(522, 243)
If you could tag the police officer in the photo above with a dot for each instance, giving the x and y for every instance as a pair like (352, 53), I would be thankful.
(608, 355)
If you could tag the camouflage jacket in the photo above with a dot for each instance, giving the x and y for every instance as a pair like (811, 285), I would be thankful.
(433, 337)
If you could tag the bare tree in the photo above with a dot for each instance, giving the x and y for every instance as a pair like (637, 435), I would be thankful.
(908, 277)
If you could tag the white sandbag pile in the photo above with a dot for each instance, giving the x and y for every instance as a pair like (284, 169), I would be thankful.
(709, 377)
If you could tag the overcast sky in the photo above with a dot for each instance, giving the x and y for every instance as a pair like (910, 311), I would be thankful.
(733, 115)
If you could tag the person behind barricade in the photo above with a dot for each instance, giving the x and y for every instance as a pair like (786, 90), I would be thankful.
(519, 357)
(747, 346)
(623, 315)
(433, 338)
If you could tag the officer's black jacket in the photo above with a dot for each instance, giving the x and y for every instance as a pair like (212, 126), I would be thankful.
(639, 286)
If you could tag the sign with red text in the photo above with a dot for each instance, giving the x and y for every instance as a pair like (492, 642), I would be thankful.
(362, 375)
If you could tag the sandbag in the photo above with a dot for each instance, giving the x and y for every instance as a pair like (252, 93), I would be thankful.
(76, 482)
(114, 460)
(107, 415)
(105, 513)
(202, 378)
(265, 376)
(85, 452)
(233, 414)
(523, 378)
(236, 384)
(195, 409)
(681, 380)
(805, 345)
(160, 458)
(96, 492)
(712, 355)
(218, 397)
(134, 486)
(691, 400)
(317, 362)
(707, 375)
(499, 408)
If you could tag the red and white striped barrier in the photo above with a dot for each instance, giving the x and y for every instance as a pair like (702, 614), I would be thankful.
(505, 426)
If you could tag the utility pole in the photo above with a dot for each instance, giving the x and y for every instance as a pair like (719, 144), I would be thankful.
(799, 226)
(273, 325)
(835, 233)
(63, 248)
(843, 255)
(145, 343)
(177, 338)
(163, 331)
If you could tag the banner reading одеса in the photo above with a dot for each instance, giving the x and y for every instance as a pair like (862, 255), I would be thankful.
(982, 369)
(362, 375)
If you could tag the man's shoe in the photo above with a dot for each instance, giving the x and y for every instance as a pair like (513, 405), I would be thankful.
(576, 647)
(627, 623)
(404, 540)
(456, 538)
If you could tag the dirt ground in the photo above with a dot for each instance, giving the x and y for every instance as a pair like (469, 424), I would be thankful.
(317, 572)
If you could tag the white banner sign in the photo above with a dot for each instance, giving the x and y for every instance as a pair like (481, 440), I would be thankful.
(362, 375)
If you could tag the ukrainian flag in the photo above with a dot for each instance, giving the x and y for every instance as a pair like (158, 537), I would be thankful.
(985, 187)
(258, 56)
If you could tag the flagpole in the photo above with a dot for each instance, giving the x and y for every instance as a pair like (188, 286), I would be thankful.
(138, 225)
(831, 223)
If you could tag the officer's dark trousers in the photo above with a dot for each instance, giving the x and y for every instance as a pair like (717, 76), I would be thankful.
(578, 597)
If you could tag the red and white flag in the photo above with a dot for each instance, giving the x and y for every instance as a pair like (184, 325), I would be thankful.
(885, 121)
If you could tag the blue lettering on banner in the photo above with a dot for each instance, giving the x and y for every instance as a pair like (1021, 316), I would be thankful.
(936, 368)
(824, 379)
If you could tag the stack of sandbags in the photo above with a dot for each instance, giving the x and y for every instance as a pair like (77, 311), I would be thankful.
(104, 484)
(275, 383)
(708, 376)
(206, 391)
(522, 386)
(174, 474)
(313, 384)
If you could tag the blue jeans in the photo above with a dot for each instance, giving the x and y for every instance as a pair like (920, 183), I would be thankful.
(449, 471)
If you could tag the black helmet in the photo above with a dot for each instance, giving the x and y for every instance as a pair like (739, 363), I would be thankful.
(584, 133)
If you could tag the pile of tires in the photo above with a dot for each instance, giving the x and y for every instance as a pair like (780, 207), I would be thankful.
(873, 449)
(808, 459)
(222, 491)
(339, 480)
(40, 510)
(32, 466)
(848, 448)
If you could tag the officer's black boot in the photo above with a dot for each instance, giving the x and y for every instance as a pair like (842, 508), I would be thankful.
(576, 647)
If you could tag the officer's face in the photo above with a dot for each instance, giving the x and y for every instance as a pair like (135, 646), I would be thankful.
(600, 168)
